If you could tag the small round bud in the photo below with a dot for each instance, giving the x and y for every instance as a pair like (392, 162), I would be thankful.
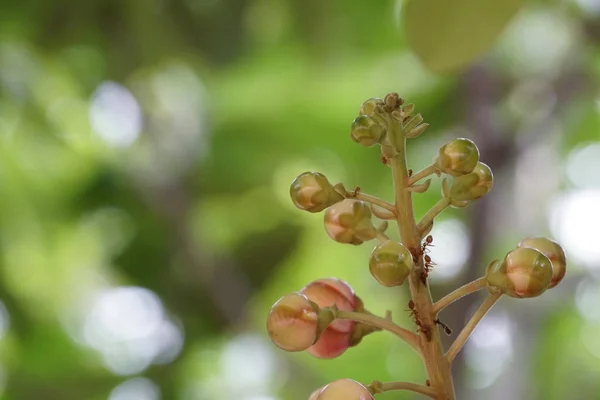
(366, 132)
(390, 263)
(293, 321)
(345, 389)
(311, 191)
(457, 157)
(525, 272)
(349, 221)
(369, 106)
(336, 338)
(472, 186)
(554, 252)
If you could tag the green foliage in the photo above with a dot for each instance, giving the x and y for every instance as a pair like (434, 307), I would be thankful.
(449, 35)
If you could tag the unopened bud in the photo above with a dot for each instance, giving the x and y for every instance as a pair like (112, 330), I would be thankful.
(293, 322)
(349, 221)
(457, 157)
(315, 395)
(525, 272)
(311, 191)
(345, 389)
(369, 107)
(390, 263)
(472, 186)
(554, 252)
(366, 131)
(336, 338)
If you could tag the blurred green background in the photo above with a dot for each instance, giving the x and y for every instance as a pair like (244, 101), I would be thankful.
(146, 151)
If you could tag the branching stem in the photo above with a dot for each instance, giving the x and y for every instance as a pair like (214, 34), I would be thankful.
(427, 219)
(460, 341)
(411, 386)
(461, 292)
(373, 200)
(385, 324)
(424, 173)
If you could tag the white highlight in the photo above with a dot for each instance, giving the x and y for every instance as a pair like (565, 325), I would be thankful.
(450, 250)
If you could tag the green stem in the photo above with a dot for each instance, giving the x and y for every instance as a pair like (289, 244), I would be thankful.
(438, 207)
(373, 200)
(385, 324)
(438, 369)
(425, 390)
(424, 173)
(460, 341)
(463, 291)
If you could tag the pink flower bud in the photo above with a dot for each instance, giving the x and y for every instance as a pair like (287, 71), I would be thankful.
(336, 338)
(292, 323)
(345, 389)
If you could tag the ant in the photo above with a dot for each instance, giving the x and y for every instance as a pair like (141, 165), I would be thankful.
(446, 328)
(415, 316)
(428, 263)
(384, 159)
(410, 172)
(354, 193)
(427, 382)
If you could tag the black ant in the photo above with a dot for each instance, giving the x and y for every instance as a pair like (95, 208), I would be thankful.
(415, 316)
(446, 328)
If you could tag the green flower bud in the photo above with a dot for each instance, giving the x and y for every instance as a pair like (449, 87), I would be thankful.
(472, 186)
(369, 106)
(311, 191)
(525, 272)
(554, 252)
(349, 221)
(390, 263)
(366, 132)
(457, 157)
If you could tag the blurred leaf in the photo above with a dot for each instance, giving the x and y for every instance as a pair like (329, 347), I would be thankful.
(448, 35)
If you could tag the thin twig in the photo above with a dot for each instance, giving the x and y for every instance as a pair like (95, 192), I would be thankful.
(415, 387)
(427, 219)
(373, 200)
(461, 292)
(385, 324)
(460, 341)
(424, 173)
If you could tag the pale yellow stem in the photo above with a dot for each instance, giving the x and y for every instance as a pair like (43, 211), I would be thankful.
(461, 292)
(427, 219)
(424, 173)
(372, 200)
(463, 336)
(385, 324)
(414, 387)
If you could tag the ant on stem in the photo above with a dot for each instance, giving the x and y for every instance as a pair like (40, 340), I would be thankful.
(446, 328)
(415, 316)
(354, 193)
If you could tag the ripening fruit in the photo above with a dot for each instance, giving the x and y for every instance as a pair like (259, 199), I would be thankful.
(390, 263)
(554, 252)
(293, 321)
(311, 191)
(345, 389)
(472, 186)
(457, 157)
(336, 338)
(349, 221)
(525, 272)
(366, 131)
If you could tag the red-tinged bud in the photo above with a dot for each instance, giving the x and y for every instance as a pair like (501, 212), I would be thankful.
(337, 337)
(293, 322)
(345, 389)
(554, 252)
(349, 221)
(525, 272)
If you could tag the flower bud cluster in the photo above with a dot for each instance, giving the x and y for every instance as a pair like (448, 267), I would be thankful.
(300, 321)
(537, 264)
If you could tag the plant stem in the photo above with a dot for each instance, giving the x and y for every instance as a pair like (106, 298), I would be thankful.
(424, 173)
(438, 368)
(425, 390)
(382, 237)
(373, 200)
(427, 219)
(460, 341)
(450, 298)
(378, 322)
